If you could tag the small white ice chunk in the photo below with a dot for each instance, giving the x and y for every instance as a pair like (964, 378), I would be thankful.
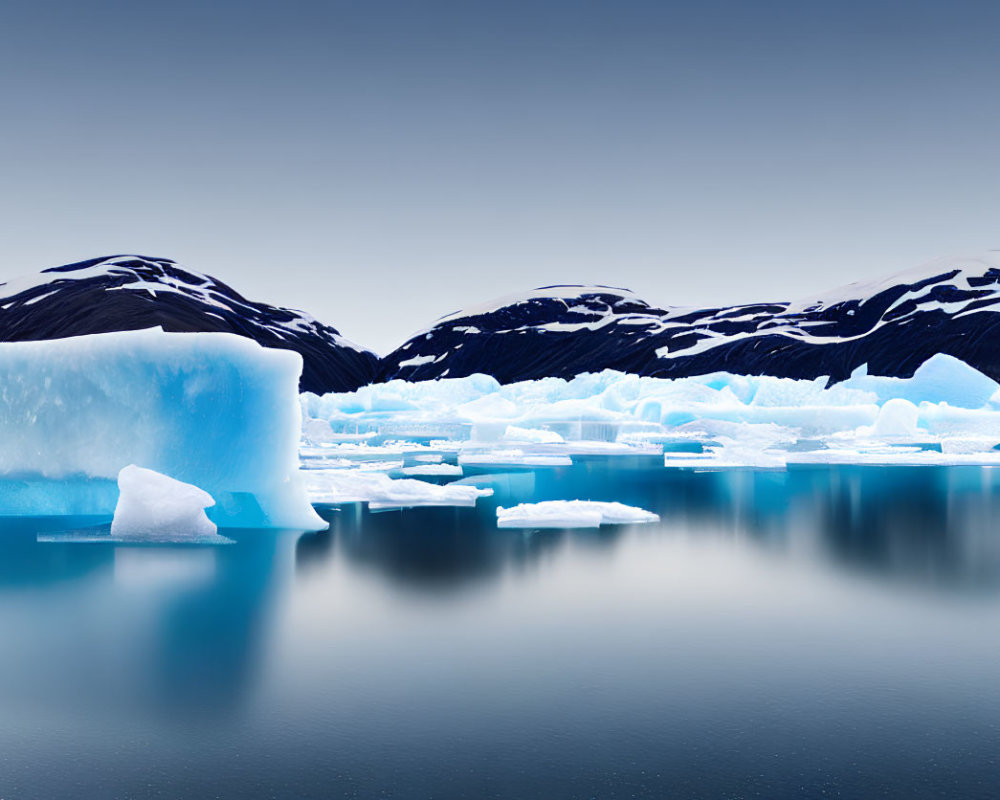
(155, 507)
(571, 514)
(898, 417)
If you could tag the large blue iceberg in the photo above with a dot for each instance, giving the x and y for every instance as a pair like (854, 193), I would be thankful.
(210, 409)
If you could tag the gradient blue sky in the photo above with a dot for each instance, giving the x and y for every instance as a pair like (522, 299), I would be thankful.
(380, 164)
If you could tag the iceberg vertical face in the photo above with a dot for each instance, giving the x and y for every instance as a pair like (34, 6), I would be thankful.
(211, 409)
(155, 507)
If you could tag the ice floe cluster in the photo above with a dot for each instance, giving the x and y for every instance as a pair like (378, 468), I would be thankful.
(337, 486)
(946, 413)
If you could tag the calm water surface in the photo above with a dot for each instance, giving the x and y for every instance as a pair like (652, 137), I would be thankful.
(821, 632)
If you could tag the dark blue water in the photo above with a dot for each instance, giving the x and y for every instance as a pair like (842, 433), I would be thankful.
(816, 633)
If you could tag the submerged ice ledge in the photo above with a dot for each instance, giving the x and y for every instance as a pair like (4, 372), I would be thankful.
(947, 413)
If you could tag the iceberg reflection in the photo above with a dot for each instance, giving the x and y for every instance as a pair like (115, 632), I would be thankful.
(927, 525)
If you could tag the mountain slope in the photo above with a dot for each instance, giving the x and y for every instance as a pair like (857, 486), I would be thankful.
(134, 292)
(949, 306)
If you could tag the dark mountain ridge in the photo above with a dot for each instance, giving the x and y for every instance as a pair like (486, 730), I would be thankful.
(126, 292)
(893, 325)
(951, 305)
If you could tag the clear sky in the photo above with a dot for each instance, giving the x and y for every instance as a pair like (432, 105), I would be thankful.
(380, 164)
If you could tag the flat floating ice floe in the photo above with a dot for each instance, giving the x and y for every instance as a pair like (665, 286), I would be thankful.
(572, 514)
(513, 458)
(723, 459)
(433, 470)
(340, 486)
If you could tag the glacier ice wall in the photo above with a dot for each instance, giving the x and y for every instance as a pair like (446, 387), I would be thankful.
(211, 409)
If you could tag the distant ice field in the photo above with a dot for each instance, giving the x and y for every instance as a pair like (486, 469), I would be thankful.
(947, 414)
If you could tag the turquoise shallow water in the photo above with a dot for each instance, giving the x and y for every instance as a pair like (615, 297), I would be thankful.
(820, 632)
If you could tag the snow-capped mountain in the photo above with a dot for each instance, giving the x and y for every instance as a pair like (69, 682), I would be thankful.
(128, 292)
(949, 305)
